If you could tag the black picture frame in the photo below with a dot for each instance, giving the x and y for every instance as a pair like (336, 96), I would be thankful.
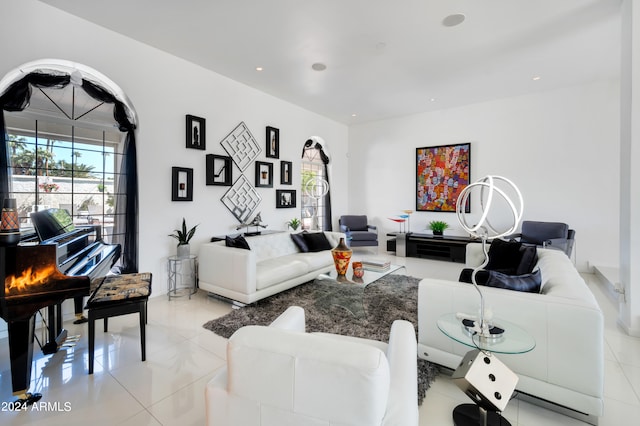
(219, 170)
(264, 174)
(286, 173)
(285, 198)
(181, 184)
(272, 142)
(196, 132)
(442, 172)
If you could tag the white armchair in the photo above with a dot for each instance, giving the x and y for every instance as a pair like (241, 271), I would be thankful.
(281, 375)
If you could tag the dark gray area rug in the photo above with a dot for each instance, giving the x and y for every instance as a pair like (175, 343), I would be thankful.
(390, 298)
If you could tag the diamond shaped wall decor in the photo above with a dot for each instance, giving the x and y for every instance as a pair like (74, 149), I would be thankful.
(241, 199)
(241, 146)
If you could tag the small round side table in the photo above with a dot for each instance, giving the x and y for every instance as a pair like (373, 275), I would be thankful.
(182, 273)
(515, 340)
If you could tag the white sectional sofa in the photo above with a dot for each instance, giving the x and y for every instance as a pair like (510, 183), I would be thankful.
(273, 264)
(566, 367)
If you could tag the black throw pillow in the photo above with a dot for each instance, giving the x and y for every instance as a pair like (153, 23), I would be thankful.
(317, 241)
(504, 256)
(300, 242)
(530, 283)
(528, 260)
(481, 277)
(237, 242)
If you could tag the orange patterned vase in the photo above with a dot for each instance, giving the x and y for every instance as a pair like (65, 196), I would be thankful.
(341, 257)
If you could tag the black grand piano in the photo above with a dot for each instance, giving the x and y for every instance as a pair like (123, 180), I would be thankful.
(42, 271)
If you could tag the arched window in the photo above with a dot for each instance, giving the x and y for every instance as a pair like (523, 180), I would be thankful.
(315, 187)
(69, 142)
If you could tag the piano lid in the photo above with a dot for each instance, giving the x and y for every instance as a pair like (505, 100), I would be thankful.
(50, 223)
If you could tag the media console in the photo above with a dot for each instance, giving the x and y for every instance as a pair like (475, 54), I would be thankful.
(433, 247)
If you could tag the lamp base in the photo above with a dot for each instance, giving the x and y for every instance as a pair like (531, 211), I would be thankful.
(472, 415)
(491, 334)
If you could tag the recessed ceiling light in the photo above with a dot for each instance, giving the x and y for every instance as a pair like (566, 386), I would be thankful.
(536, 78)
(453, 20)
(319, 66)
(432, 100)
(354, 115)
(259, 68)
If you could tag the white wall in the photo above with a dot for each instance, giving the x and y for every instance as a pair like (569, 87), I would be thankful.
(560, 147)
(163, 89)
(629, 315)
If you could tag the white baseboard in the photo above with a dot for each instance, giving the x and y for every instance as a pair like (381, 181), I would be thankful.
(610, 276)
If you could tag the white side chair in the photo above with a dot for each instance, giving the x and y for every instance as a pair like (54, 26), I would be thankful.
(281, 375)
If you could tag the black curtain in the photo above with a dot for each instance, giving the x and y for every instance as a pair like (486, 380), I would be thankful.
(16, 98)
(326, 221)
(126, 217)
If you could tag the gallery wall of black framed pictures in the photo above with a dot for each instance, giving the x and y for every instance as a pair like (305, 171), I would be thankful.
(264, 174)
(219, 170)
(285, 198)
(272, 142)
(196, 132)
(181, 184)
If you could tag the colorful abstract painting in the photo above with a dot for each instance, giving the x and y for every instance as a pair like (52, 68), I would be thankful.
(442, 172)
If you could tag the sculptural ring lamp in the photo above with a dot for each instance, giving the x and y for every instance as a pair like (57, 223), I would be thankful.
(489, 188)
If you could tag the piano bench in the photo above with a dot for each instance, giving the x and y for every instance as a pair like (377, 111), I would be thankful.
(116, 295)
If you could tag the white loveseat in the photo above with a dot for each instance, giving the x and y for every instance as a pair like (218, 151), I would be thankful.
(567, 365)
(281, 375)
(273, 264)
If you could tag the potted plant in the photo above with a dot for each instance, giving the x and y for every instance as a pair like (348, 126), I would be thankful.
(294, 223)
(183, 236)
(438, 226)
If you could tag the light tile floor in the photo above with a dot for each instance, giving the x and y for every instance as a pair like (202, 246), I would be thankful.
(168, 389)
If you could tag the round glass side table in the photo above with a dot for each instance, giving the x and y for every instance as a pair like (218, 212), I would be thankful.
(182, 274)
(514, 340)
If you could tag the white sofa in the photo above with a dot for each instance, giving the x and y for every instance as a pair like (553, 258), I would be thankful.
(273, 264)
(566, 367)
(280, 375)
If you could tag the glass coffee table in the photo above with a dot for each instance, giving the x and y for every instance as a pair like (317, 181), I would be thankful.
(347, 291)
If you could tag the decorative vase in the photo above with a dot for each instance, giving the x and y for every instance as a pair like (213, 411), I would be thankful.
(341, 257)
(184, 251)
(358, 269)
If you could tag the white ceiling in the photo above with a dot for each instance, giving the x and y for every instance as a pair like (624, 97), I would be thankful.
(384, 58)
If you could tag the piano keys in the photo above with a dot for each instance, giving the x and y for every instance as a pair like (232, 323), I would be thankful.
(35, 276)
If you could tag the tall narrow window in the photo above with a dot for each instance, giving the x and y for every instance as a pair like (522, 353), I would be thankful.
(312, 212)
(316, 199)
